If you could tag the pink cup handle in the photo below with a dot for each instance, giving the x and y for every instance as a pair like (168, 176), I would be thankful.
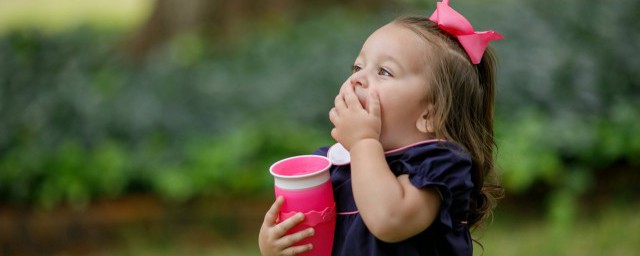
(313, 218)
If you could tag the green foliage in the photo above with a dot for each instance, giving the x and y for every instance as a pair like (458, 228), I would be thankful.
(68, 173)
(526, 137)
(233, 164)
(79, 121)
(236, 163)
(568, 95)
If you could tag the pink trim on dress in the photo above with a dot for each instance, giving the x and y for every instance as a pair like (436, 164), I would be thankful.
(348, 213)
(341, 156)
(413, 145)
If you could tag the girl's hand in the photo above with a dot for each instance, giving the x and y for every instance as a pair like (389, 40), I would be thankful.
(353, 122)
(272, 239)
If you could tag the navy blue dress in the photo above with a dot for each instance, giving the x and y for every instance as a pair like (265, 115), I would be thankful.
(442, 165)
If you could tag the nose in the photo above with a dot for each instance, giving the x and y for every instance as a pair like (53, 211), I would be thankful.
(360, 83)
(359, 79)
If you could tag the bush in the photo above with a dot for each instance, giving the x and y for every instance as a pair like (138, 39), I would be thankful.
(79, 121)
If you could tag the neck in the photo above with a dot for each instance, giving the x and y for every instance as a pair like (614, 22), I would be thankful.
(404, 140)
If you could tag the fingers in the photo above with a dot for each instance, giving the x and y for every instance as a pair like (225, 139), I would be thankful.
(339, 103)
(297, 249)
(374, 104)
(334, 134)
(344, 87)
(272, 239)
(272, 215)
(351, 98)
(291, 239)
(287, 224)
(333, 115)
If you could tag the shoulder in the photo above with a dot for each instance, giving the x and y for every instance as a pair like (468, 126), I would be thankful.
(440, 163)
(446, 166)
(437, 153)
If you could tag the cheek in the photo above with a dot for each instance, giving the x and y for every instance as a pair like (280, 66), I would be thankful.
(391, 112)
(391, 103)
(400, 110)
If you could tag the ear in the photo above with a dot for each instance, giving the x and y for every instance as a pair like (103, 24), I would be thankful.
(425, 122)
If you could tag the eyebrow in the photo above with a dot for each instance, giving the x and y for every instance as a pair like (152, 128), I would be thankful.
(393, 60)
(384, 58)
(361, 55)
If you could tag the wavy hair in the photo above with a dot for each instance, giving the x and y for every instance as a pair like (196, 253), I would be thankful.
(463, 98)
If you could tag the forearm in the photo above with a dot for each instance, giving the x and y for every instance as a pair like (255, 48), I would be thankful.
(377, 192)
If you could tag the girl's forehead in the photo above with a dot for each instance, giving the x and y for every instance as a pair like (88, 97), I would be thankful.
(397, 42)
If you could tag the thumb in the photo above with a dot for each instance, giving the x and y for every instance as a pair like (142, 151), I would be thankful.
(374, 104)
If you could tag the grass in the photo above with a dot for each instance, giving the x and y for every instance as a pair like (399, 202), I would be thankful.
(51, 16)
(609, 231)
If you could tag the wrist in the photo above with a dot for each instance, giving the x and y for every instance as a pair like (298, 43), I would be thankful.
(365, 144)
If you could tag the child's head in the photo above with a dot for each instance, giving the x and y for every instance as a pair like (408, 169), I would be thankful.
(429, 88)
(393, 63)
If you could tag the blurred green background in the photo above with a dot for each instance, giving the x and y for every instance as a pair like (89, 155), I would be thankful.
(146, 127)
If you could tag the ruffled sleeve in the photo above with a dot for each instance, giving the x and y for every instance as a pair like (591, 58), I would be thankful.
(446, 167)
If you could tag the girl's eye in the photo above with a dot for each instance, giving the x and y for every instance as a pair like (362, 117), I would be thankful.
(355, 68)
(384, 72)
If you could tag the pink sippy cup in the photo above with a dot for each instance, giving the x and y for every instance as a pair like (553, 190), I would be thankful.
(304, 183)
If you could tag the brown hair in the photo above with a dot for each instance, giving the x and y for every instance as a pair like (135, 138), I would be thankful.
(462, 95)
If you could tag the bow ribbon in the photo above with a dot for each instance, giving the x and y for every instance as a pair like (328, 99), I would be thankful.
(473, 42)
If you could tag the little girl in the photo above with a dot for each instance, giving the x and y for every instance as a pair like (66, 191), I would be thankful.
(416, 116)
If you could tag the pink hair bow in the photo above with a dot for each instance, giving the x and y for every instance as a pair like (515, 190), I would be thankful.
(473, 42)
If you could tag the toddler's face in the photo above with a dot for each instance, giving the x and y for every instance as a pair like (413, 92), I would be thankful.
(393, 62)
